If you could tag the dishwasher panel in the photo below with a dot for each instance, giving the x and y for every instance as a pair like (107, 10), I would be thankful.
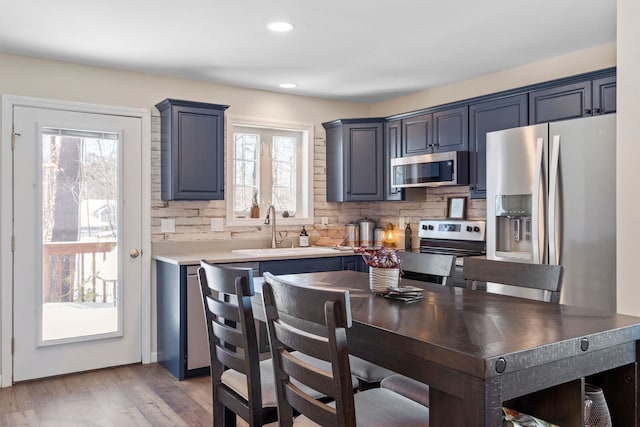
(197, 339)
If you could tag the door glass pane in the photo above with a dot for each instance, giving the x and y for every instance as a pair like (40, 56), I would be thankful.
(79, 233)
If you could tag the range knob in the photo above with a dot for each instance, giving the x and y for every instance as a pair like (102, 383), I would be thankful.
(430, 227)
(469, 228)
(476, 229)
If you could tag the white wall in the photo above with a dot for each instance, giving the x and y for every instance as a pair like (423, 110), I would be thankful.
(59, 80)
(628, 157)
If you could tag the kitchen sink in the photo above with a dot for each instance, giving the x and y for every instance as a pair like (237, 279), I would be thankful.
(313, 250)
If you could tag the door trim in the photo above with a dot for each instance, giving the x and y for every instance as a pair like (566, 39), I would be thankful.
(6, 198)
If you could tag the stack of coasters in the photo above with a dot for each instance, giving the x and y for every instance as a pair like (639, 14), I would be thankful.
(406, 294)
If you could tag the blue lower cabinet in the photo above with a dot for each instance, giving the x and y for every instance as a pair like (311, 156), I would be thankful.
(183, 346)
(313, 265)
(182, 335)
(306, 265)
(354, 263)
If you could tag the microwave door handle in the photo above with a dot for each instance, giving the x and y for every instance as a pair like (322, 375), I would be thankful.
(393, 177)
(553, 202)
(535, 214)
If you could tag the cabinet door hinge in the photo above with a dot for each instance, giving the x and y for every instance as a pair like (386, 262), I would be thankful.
(13, 243)
(13, 345)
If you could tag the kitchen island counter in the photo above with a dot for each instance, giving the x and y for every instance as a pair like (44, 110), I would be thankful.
(235, 251)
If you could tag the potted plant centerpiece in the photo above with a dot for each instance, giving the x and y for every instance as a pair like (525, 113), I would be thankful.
(384, 268)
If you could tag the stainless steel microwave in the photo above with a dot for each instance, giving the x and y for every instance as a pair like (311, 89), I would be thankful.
(431, 170)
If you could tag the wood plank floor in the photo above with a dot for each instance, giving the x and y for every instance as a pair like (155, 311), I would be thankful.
(133, 395)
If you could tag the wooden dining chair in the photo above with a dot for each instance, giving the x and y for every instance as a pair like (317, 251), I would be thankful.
(543, 277)
(241, 384)
(236, 370)
(314, 321)
(440, 267)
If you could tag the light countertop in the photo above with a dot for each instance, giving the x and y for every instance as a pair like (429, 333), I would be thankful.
(227, 251)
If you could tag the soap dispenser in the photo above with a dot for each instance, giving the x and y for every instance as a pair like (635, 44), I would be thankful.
(304, 238)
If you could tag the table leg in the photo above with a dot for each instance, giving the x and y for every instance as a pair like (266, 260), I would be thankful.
(481, 406)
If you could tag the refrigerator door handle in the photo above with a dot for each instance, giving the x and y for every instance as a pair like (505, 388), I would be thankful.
(535, 214)
(553, 205)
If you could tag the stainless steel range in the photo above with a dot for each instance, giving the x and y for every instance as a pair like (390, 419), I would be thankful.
(455, 237)
(444, 237)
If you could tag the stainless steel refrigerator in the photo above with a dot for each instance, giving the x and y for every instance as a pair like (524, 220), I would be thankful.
(551, 198)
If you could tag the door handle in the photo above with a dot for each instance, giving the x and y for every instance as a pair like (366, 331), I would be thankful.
(538, 251)
(554, 209)
(134, 253)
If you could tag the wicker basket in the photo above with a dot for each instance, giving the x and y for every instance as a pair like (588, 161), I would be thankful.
(383, 279)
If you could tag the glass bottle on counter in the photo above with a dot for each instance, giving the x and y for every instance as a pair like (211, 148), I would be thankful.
(304, 238)
(407, 237)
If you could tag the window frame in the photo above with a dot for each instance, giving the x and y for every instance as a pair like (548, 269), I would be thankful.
(305, 187)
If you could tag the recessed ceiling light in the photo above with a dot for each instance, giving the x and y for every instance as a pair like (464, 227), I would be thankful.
(280, 27)
(287, 85)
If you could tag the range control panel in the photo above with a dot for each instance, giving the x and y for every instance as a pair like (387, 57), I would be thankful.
(453, 229)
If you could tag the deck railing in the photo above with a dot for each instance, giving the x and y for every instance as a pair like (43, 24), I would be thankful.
(79, 272)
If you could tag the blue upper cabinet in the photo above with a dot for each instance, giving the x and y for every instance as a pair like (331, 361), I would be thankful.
(589, 97)
(192, 150)
(354, 165)
(392, 150)
(604, 95)
(451, 129)
(560, 103)
(358, 168)
(436, 132)
(417, 135)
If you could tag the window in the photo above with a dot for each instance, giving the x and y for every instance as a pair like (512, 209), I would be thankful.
(269, 163)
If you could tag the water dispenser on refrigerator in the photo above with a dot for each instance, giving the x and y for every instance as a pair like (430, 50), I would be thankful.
(513, 226)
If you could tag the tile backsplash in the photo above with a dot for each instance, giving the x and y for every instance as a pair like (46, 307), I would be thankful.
(193, 218)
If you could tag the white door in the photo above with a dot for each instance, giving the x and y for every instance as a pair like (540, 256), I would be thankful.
(77, 215)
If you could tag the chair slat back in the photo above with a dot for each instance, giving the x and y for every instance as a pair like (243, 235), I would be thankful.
(226, 296)
(533, 276)
(293, 315)
(433, 264)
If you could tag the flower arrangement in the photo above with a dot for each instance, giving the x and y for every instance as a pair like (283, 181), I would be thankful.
(384, 268)
(380, 257)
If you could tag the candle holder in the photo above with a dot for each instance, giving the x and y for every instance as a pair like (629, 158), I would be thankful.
(388, 240)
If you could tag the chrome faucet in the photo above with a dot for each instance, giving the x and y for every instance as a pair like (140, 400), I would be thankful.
(267, 221)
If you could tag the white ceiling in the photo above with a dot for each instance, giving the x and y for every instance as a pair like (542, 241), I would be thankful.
(357, 50)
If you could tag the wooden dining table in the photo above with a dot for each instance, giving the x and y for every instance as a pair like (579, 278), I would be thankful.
(479, 351)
